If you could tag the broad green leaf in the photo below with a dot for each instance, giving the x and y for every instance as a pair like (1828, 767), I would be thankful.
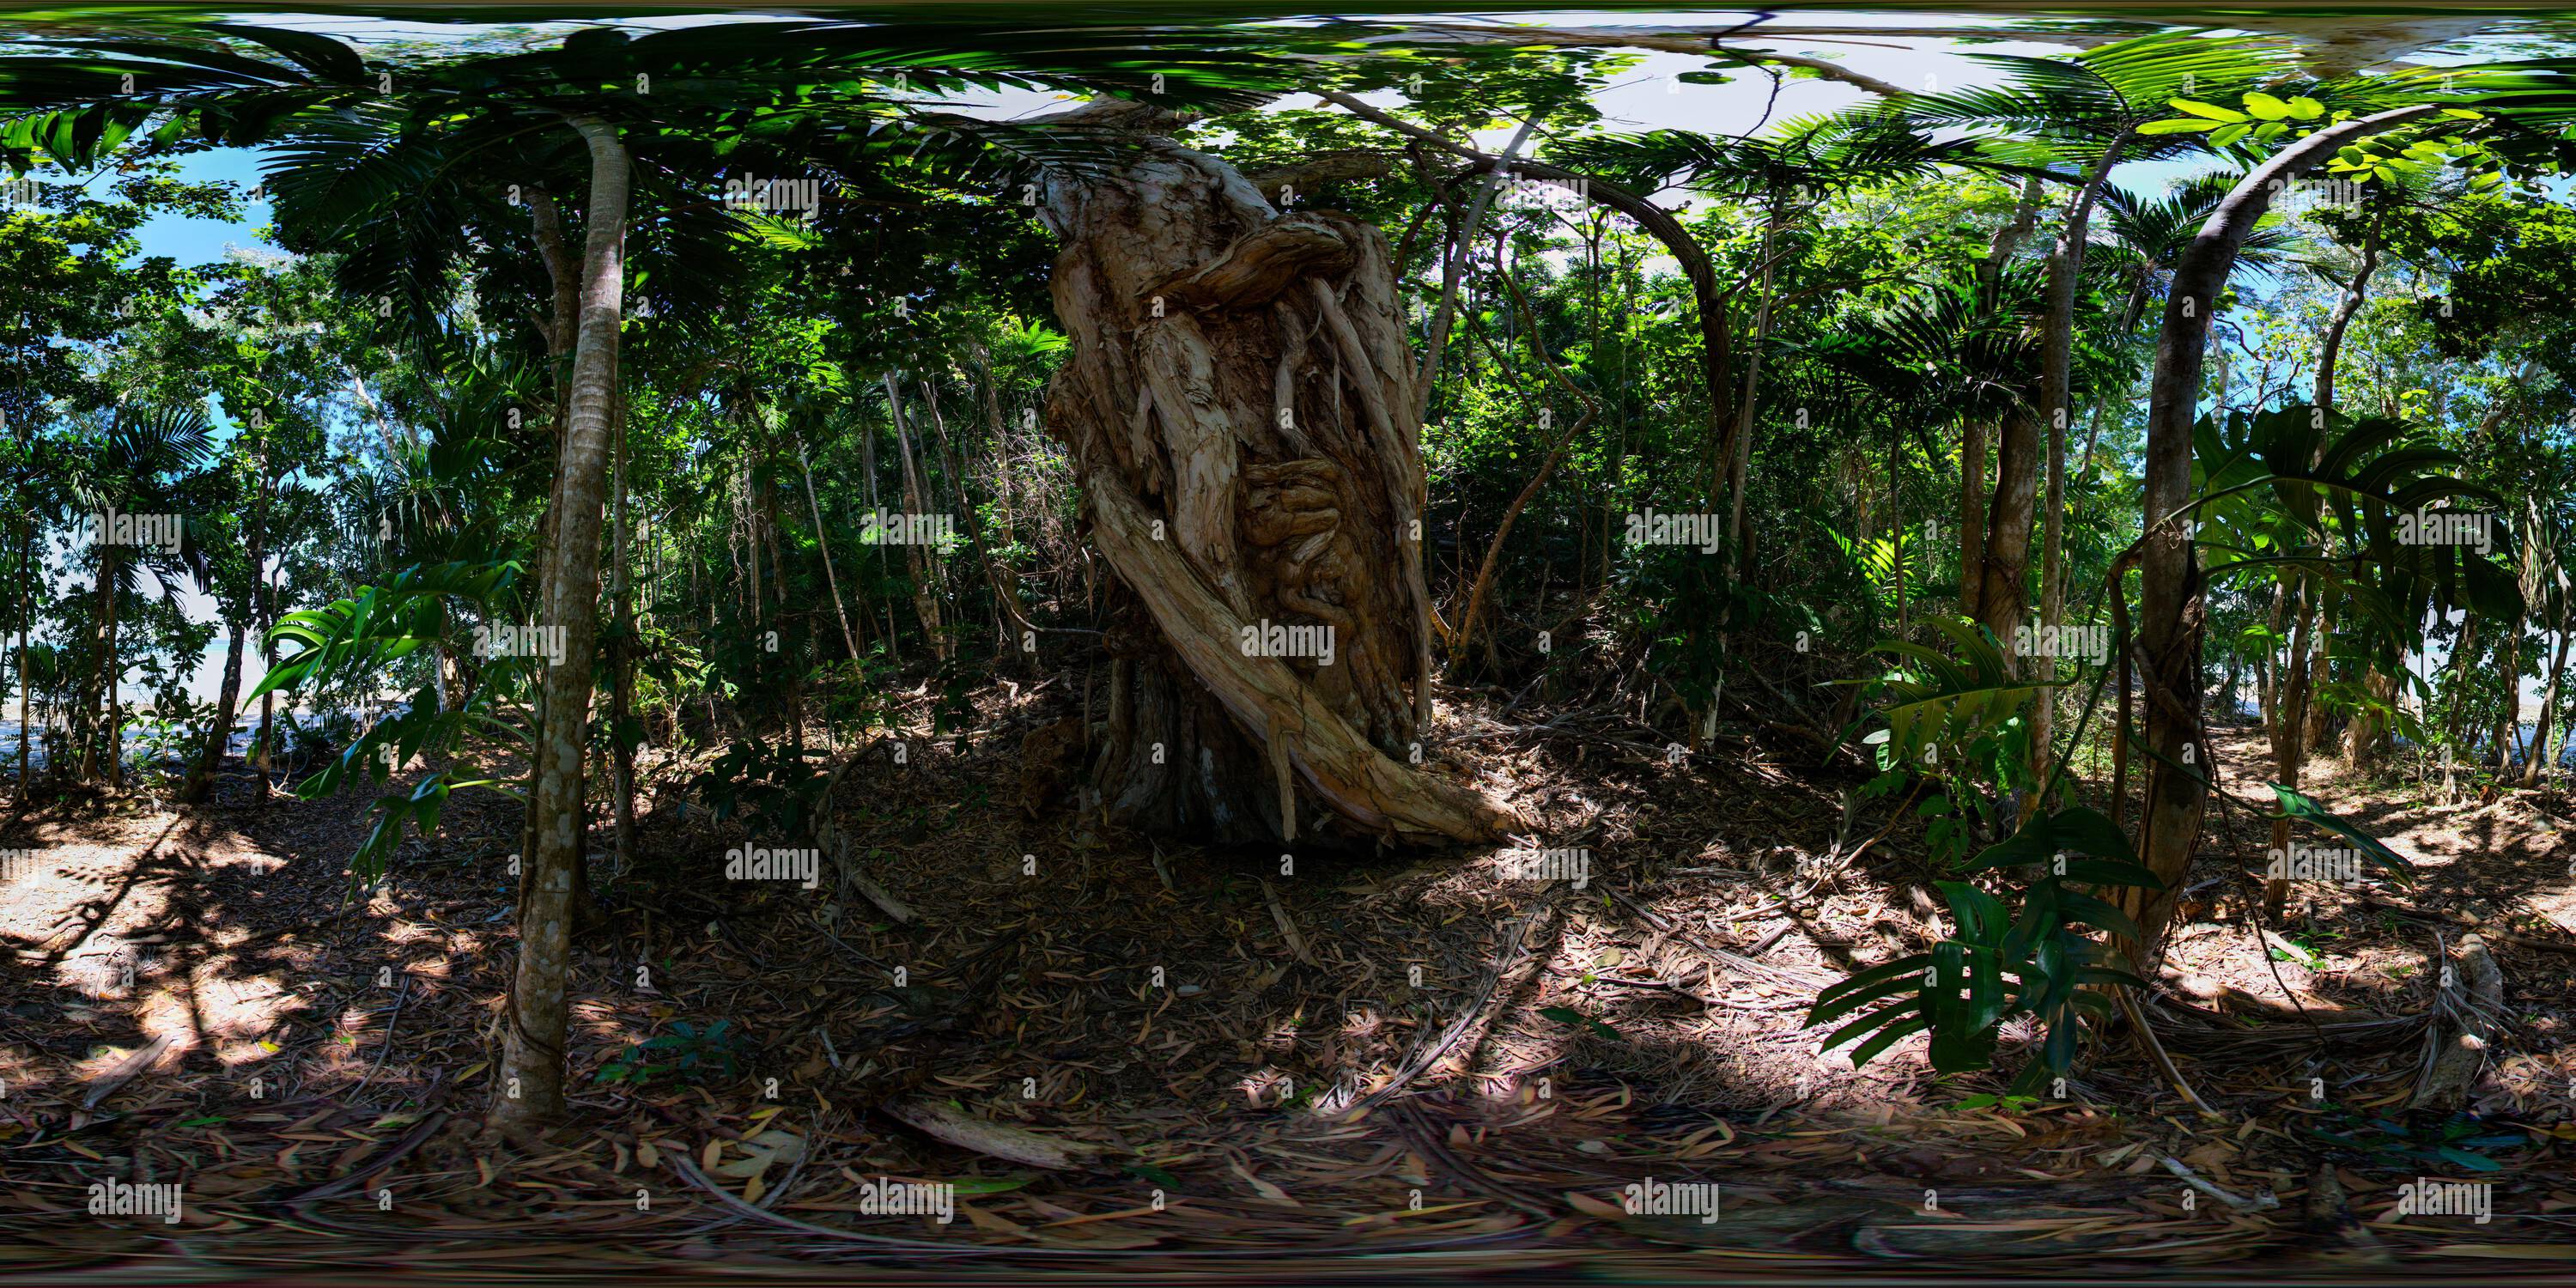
(2298, 805)
(2208, 111)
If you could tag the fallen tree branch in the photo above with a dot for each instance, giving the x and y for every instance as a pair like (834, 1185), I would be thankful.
(2259, 1203)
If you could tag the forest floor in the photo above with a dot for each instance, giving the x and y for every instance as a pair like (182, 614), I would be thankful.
(1113, 1048)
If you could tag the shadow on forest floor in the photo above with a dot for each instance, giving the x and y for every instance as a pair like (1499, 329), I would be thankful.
(1184, 1031)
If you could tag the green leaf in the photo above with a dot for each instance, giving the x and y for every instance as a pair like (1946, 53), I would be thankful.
(2208, 111)
(1882, 971)
(2178, 125)
(2073, 831)
(1980, 916)
(2227, 134)
(1567, 1015)
(2094, 912)
(2298, 805)
(2265, 107)
(1887, 1037)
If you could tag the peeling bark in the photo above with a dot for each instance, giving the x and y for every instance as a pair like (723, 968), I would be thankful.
(1240, 410)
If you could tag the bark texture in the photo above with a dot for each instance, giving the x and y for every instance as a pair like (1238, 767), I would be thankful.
(1240, 409)
(2057, 412)
(2172, 619)
(532, 1064)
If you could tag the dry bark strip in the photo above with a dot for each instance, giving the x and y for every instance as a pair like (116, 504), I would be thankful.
(125, 1071)
(1358, 780)
(997, 1140)
(2471, 998)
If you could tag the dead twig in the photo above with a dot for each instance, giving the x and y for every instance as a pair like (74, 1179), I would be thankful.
(385, 1048)
(2259, 1203)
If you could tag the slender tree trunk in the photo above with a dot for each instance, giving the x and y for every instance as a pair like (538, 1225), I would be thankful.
(2289, 735)
(2345, 309)
(621, 698)
(2454, 717)
(1740, 464)
(559, 325)
(26, 684)
(1659, 223)
(868, 466)
(2171, 611)
(2509, 715)
(1976, 530)
(114, 737)
(263, 744)
(2540, 740)
(925, 567)
(219, 738)
(1222, 509)
(532, 1065)
(102, 660)
(1474, 610)
(1972, 517)
(2320, 673)
(823, 541)
(1454, 270)
(1006, 605)
(2057, 409)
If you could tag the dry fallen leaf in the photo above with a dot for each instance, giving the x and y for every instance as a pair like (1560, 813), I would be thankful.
(1589, 1205)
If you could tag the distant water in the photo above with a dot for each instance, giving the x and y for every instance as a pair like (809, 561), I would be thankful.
(2248, 709)
(135, 739)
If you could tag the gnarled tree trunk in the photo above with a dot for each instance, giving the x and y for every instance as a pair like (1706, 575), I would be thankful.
(2172, 617)
(1239, 407)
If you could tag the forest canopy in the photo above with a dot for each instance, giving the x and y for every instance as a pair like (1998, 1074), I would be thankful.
(2004, 544)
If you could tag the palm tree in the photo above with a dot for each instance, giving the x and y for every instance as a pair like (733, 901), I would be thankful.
(1786, 176)
(2078, 118)
(132, 465)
